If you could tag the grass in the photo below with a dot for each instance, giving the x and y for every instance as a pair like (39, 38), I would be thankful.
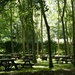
(56, 66)
(43, 65)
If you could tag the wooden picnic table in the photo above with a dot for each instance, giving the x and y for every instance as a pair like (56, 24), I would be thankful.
(5, 56)
(16, 55)
(8, 63)
(63, 58)
(27, 62)
(29, 56)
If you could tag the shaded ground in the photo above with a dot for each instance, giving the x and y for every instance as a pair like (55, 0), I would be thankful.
(58, 72)
(42, 69)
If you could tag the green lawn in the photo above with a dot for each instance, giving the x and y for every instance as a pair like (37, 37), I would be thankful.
(43, 65)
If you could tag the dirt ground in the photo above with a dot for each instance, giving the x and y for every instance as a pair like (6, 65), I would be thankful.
(58, 72)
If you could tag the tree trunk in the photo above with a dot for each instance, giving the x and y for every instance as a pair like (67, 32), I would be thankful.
(48, 33)
(66, 30)
(42, 33)
(22, 18)
(63, 27)
(58, 24)
(12, 47)
(73, 23)
(17, 33)
(23, 35)
(33, 34)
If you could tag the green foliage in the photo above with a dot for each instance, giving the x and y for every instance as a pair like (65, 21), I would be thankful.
(24, 10)
(2, 4)
(17, 47)
(2, 50)
(60, 52)
(53, 46)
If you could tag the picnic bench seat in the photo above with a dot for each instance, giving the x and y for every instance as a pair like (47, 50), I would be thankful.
(24, 64)
(9, 66)
(27, 65)
(8, 63)
(27, 62)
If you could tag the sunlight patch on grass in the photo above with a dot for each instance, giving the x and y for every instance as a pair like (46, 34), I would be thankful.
(40, 66)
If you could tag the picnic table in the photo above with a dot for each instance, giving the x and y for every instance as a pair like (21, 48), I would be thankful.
(27, 62)
(16, 55)
(29, 56)
(8, 63)
(5, 56)
(63, 58)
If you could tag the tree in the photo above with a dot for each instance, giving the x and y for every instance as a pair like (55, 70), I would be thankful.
(22, 18)
(58, 23)
(63, 27)
(48, 33)
(33, 33)
(2, 4)
(73, 23)
(42, 33)
(12, 47)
